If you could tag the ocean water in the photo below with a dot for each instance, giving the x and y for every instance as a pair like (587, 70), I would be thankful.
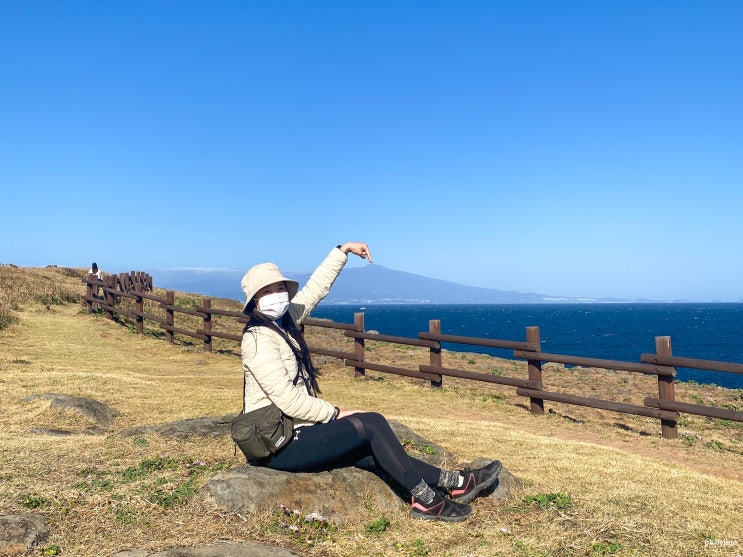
(609, 331)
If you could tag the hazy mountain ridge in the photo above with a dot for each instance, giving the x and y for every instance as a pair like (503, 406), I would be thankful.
(368, 284)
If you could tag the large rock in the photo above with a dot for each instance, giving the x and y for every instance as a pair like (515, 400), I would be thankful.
(22, 531)
(94, 410)
(337, 494)
(206, 426)
(227, 549)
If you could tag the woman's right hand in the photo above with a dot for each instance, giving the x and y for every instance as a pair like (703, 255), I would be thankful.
(357, 248)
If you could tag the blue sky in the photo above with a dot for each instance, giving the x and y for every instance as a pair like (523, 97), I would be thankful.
(569, 148)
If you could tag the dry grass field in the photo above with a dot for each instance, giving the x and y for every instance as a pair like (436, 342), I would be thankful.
(594, 483)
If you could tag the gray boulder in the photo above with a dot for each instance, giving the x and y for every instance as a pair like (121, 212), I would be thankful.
(336, 494)
(206, 426)
(22, 531)
(94, 410)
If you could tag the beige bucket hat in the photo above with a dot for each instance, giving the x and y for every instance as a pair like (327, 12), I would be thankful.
(262, 275)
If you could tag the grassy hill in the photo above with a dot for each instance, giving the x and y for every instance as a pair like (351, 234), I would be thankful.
(595, 483)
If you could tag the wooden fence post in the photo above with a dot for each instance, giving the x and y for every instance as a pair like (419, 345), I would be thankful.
(96, 291)
(358, 343)
(108, 296)
(88, 295)
(169, 315)
(666, 388)
(535, 371)
(434, 353)
(139, 308)
(207, 309)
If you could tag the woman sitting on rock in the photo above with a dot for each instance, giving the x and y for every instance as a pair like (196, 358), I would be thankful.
(278, 369)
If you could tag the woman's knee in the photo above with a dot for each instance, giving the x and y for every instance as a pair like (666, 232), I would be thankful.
(374, 422)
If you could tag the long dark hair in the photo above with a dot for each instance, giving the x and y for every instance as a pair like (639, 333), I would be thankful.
(289, 332)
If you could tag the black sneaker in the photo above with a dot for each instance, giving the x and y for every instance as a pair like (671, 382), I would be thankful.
(440, 508)
(475, 481)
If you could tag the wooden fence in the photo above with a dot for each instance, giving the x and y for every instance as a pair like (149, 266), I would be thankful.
(105, 295)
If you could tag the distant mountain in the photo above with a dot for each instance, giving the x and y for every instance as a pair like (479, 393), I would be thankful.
(219, 283)
(368, 284)
(377, 284)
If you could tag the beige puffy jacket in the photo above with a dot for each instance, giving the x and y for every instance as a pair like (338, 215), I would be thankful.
(269, 363)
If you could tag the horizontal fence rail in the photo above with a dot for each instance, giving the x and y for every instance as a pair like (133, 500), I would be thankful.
(106, 295)
(693, 363)
(596, 362)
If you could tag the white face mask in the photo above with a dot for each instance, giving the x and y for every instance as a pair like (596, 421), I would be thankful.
(274, 305)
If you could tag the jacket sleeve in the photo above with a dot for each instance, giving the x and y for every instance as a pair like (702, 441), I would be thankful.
(262, 357)
(318, 285)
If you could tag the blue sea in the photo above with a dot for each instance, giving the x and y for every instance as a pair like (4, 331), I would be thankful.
(609, 331)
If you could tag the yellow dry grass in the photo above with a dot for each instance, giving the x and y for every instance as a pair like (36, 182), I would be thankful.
(51, 285)
(625, 490)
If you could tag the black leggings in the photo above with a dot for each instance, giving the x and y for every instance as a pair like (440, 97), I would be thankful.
(364, 440)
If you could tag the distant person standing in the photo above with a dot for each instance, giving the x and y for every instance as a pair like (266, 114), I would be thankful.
(98, 274)
(94, 270)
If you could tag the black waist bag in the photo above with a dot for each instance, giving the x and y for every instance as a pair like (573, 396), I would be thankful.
(262, 432)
